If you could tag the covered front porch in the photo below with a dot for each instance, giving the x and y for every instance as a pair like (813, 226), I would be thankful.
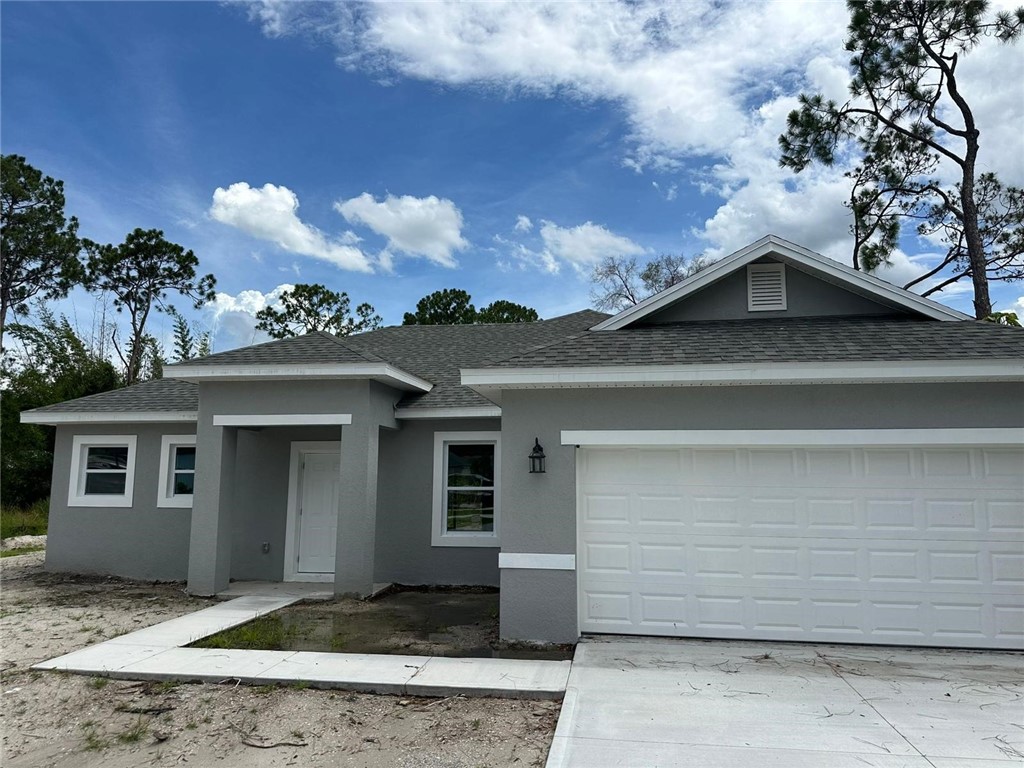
(287, 498)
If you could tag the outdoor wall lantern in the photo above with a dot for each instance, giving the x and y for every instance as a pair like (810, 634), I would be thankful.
(537, 457)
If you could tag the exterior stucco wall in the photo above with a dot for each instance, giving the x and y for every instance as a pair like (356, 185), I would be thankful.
(540, 510)
(261, 498)
(806, 296)
(221, 543)
(140, 542)
(404, 511)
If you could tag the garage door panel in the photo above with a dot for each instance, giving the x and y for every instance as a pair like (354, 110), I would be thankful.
(840, 616)
(927, 515)
(866, 563)
(894, 545)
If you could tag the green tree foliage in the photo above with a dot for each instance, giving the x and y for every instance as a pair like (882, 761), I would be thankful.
(453, 306)
(40, 248)
(307, 308)
(53, 365)
(189, 343)
(502, 311)
(138, 274)
(909, 119)
(619, 282)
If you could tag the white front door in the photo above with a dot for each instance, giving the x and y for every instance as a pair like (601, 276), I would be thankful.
(904, 545)
(314, 514)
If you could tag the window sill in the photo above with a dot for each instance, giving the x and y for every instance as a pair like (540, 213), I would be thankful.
(485, 540)
(100, 501)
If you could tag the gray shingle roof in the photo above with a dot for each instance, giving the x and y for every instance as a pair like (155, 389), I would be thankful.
(437, 353)
(161, 395)
(779, 340)
(316, 347)
(433, 352)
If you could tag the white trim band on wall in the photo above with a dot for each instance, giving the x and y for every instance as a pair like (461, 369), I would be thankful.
(759, 437)
(281, 419)
(536, 561)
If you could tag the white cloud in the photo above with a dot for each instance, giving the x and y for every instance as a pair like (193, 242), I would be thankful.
(582, 246)
(417, 226)
(233, 317)
(670, 193)
(701, 80)
(270, 213)
(523, 224)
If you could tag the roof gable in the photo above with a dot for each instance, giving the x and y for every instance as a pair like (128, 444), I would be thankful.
(862, 291)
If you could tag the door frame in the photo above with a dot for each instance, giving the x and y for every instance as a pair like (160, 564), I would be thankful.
(291, 536)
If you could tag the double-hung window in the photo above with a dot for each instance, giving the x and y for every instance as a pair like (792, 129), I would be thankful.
(467, 468)
(177, 470)
(102, 471)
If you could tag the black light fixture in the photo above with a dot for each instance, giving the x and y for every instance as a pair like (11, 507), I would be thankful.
(537, 457)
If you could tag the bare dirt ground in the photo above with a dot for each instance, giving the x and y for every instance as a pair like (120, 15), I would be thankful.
(53, 719)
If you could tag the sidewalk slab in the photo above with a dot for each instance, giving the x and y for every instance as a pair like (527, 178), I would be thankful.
(203, 665)
(503, 678)
(368, 673)
(155, 653)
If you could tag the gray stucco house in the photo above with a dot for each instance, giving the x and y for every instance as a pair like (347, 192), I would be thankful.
(777, 448)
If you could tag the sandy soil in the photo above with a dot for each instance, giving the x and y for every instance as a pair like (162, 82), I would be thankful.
(53, 719)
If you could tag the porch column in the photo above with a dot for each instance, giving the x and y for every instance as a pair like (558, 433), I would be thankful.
(209, 560)
(357, 509)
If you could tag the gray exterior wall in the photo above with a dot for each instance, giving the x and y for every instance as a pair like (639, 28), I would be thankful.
(806, 296)
(139, 542)
(539, 511)
(219, 512)
(405, 509)
(261, 498)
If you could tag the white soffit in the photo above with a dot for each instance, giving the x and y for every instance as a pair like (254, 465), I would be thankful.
(772, 245)
(280, 419)
(54, 418)
(382, 372)
(489, 381)
(810, 437)
(465, 412)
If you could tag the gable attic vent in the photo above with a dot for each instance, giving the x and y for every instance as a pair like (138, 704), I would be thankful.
(766, 287)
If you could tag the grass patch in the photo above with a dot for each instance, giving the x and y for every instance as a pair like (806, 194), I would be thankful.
(30, 521)
(135, 733)
(265, 633)
(20, 551)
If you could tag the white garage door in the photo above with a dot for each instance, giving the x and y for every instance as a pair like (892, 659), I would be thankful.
(919, 546)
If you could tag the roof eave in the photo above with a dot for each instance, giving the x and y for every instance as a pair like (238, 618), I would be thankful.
(489, 382)
(381, 372)
(57, 418)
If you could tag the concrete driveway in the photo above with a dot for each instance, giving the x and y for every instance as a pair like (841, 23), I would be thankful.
(719, 704)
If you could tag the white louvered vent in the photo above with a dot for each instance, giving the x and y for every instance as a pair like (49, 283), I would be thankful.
(766, 287)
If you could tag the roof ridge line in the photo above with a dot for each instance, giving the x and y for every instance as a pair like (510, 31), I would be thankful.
(365, 354)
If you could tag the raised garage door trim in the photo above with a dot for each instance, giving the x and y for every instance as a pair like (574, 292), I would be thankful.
(892, 536)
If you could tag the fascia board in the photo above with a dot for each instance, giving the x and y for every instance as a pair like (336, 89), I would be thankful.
(765, 373)
(466, 412)
(55, 418)
(377, 371)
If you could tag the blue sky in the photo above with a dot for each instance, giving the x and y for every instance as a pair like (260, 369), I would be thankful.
(391, 150)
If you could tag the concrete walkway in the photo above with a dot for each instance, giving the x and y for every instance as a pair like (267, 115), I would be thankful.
(730, 704)
(155, 653)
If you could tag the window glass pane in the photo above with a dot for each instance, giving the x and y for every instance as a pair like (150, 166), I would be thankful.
(105, 483)
(471, 511)
(185, 457)
(183, 483)
(107, 457)
(470, 466)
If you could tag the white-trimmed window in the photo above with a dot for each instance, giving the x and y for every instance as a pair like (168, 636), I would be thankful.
(102, 471)
(177, 471)
(467, 468)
